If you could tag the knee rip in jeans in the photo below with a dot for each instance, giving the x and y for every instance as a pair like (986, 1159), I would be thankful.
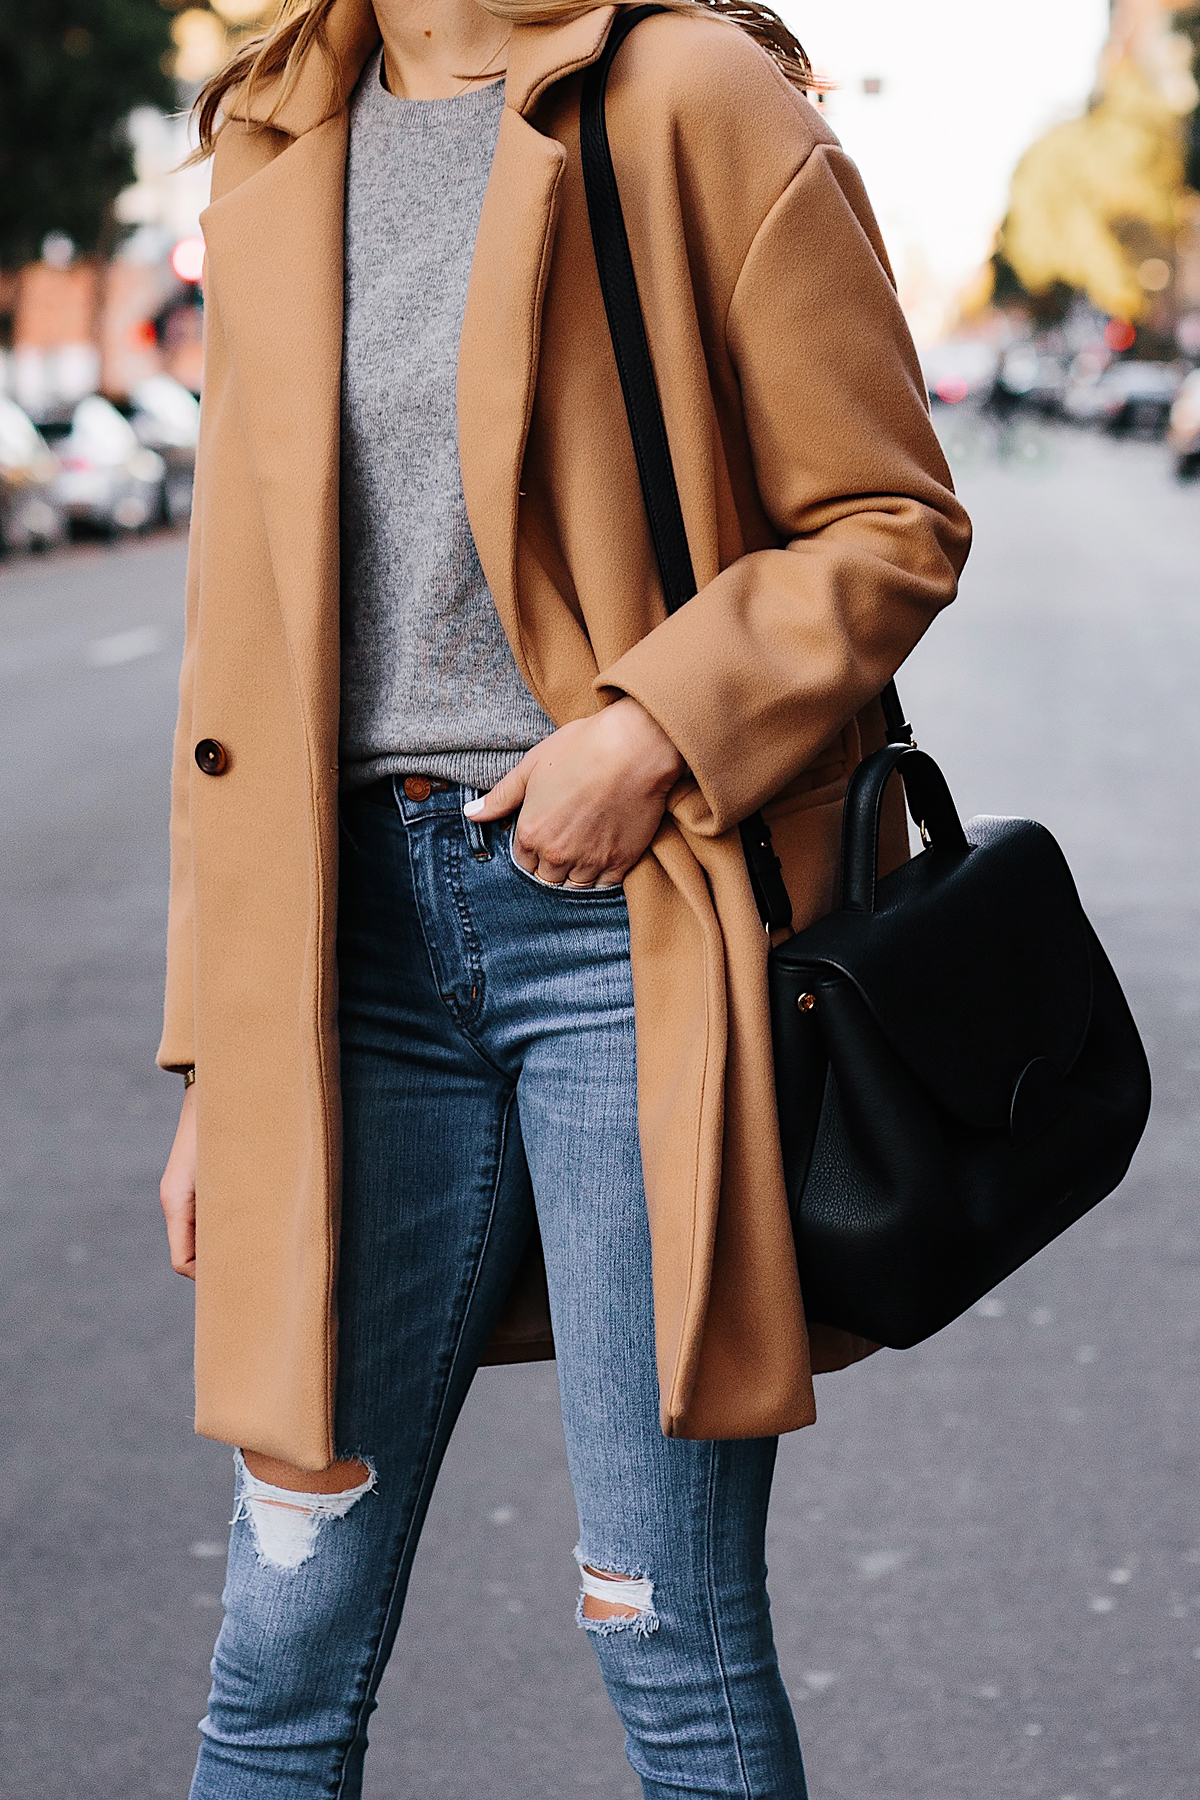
(609, 1603)
(286, 1523)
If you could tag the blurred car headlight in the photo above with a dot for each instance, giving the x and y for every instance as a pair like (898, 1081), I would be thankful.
(84, 487)
(131, 512)
(147, 465)
(40, 519)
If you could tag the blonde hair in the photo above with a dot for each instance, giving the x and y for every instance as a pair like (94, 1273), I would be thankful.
(300, 29)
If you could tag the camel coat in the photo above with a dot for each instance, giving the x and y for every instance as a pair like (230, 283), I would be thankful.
(825, 537)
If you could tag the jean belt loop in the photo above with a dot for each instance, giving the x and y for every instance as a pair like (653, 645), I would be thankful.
(476, 832)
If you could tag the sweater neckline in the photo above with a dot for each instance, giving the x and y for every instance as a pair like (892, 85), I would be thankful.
(430, 115)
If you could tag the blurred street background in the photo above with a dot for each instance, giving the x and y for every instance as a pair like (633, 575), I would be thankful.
(985, 1558)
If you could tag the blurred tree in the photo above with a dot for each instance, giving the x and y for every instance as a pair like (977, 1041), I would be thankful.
(1187, 25)
(1003, 287)
(1096, 202)
(70, 72)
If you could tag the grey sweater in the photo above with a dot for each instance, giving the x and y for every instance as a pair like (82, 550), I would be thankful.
(429, 684)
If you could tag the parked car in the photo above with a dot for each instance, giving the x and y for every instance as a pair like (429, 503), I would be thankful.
(959, 369)
(1130, 399)
(166, 419)
(1183, 433)
(30, 517)
(1031, 379)
(108, 481)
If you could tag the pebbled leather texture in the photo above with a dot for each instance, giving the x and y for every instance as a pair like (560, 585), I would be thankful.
(968, 1083)
(972, 965)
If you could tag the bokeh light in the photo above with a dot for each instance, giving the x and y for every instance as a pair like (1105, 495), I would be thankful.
(187, 258)
(200, 45)
(243, 12)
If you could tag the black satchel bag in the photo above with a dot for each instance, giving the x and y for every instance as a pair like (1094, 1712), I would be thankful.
(958, 1074)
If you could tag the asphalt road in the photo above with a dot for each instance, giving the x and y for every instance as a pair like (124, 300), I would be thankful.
(985, 1558)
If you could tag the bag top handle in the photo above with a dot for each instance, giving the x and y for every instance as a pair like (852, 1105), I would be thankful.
(930, 803)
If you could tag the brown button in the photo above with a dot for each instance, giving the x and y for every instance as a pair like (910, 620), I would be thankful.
(418, 787)
(211, 758)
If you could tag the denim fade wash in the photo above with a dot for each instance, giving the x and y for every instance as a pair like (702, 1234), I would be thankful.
(488, 1073)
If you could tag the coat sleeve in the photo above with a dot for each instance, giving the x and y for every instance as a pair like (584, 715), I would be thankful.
(772, 658)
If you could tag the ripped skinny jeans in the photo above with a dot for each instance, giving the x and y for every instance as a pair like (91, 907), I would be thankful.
(488, 1078)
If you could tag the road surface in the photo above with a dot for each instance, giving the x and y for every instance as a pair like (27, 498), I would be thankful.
(985, 1557)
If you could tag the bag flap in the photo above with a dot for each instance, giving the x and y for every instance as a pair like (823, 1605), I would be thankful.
(974, 967)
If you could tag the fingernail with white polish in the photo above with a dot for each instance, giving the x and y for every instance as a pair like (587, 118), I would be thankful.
(472, 807)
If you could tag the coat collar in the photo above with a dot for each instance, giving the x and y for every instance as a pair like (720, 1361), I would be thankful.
(539, 55)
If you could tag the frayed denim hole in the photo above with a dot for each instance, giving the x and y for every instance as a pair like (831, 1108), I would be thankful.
(368, 1463)
(586, 1561)
(641, 1624)
(285, 1522)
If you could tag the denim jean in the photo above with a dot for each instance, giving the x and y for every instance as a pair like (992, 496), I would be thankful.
(488, 1074)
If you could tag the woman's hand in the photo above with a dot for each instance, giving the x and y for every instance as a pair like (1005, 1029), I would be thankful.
(177, 1190)
(591, 797)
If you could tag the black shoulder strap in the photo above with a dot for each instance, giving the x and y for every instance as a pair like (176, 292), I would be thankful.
(623, 305)
(660, 490)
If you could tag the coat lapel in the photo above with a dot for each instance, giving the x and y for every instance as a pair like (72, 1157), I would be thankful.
(275, 269)
(497, 360)
(498, 352)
